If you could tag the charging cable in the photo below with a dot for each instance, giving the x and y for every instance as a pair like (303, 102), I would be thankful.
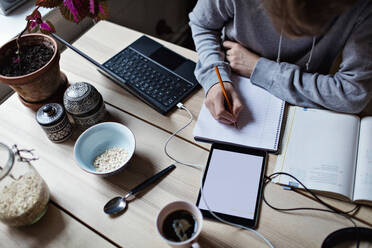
(182, 107)
(230, 223)
(329, 208)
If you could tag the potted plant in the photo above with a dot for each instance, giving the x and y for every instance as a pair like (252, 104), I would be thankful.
(29, 64)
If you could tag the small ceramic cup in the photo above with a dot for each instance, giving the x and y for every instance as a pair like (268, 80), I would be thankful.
(171, 208)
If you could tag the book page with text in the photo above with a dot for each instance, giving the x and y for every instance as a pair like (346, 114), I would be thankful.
(363, 176)
(319, 148)
(258, 125)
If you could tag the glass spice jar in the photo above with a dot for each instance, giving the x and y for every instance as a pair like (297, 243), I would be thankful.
(24, 195)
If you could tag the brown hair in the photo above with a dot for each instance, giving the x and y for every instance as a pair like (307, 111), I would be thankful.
(304, 17)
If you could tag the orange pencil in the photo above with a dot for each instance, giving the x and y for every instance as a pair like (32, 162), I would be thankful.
(224, 93)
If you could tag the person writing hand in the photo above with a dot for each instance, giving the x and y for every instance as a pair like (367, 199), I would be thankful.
(215, 102)
(313, 54)
(241, 60)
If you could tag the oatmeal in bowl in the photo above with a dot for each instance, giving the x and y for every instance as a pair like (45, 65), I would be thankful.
(104, 149)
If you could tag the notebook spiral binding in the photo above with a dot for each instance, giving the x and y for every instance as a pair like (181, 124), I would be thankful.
(277, 135)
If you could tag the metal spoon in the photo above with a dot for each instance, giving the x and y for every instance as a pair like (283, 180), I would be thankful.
(118, 204)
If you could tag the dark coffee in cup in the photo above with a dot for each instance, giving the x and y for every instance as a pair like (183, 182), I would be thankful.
(179, 226)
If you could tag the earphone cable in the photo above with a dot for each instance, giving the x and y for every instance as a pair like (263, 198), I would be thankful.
(316, 198)
(330, 209)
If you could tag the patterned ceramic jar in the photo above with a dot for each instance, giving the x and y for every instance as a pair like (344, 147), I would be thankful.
(85, 104)
(53, 119)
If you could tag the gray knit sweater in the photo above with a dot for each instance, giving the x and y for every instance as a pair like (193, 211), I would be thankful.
(244, 21)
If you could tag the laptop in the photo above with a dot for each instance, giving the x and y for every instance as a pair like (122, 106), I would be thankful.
(153, 73)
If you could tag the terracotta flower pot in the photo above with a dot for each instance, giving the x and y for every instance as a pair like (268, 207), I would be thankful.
(41, 84)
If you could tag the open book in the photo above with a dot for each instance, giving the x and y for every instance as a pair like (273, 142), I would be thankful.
(329, 152)
(259, 122)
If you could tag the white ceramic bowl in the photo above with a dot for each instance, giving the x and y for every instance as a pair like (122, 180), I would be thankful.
(97, 139)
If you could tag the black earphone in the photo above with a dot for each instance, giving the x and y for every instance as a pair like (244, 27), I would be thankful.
(352, 234)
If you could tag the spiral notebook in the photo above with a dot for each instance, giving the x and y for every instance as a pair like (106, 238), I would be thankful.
(259, 123)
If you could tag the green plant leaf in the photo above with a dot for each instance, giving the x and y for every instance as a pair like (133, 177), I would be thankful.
(35, 29)
(82, 7)
(102, 10)
(35, 15)
(32, 26)
(48, 3)
(66, 13)
(47, 27)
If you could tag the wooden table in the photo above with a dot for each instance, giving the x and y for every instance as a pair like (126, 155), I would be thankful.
(75, 217)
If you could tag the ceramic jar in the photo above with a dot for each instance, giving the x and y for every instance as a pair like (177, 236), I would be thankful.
(24, 195)
(85, 104)
(53, 119)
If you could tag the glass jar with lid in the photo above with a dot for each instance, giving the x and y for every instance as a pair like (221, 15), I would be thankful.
(24, 195)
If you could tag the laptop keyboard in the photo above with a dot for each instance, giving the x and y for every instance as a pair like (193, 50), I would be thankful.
(154, 84)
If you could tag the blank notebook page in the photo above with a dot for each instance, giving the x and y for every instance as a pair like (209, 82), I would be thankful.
(259, 122)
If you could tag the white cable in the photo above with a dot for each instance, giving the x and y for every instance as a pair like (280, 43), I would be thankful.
(230, 223)
(311, 54)
(280, 47)
(181, 106)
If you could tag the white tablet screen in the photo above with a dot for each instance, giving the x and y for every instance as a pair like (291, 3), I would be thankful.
(232, 183)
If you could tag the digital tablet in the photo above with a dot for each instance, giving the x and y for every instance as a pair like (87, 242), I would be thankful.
(232, 184)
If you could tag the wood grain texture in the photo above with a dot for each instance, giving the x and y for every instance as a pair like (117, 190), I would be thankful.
(84, 195)
(55, 230)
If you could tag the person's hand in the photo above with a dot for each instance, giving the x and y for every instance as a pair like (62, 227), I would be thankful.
(215, 102)
(241, 60)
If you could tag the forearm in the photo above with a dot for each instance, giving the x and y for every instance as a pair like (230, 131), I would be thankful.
(206, 22)
(343, 92)
(210, 54)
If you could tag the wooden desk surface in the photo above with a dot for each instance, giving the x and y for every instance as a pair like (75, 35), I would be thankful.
(75, 217)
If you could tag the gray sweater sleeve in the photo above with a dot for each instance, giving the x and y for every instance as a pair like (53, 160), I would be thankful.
(348, 90)
(206, 28)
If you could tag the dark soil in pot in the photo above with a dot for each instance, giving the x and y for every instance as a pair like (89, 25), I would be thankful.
(32, 58)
